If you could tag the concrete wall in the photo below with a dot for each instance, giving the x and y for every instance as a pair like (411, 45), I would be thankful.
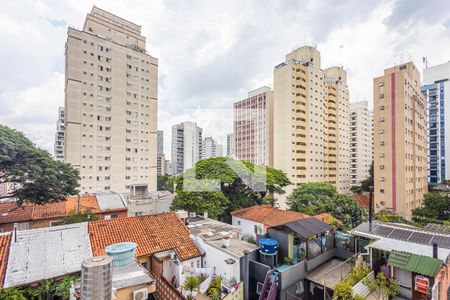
(247, 226)
(127, 293)
(283, 242)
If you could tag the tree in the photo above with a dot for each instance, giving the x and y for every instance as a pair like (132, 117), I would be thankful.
(318, 197)
(382, 288)
(214, 203)
(191, 283)
(435, 206)
(38, 177)
(162, 182)
(251, 187)
(79, 217)
(310, 198)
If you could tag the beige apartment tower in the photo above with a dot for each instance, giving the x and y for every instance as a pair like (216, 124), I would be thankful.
(400, 140)
(110, 104)
(311, 120)
(361, 142)
(253, 124)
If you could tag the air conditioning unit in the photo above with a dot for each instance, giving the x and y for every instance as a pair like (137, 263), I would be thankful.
(140, 294)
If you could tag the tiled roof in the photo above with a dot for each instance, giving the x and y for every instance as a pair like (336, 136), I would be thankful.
(86, 202)
(49, 211)
(268, 215)
(325, 217)
(5, 240)
(10, 213)
(362, 200)
(152, 234)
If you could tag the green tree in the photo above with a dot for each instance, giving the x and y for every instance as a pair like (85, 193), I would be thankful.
(39, 178)
(381, 287)
(162, 181)
(12, 294)
(311, 198)
(254, 184)
(435, 206)
(191, 284)
(214, 203)
(80, 217)
(365, 184)
(317, 197)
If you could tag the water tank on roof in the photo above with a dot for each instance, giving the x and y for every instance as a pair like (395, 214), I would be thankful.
(268, 246)
(96, 278)
(122, 253)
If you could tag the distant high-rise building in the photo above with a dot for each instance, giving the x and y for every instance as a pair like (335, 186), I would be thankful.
(361, 135)
(186, 146)
(210, 148)
(160, 142)
(110, 104)
(400, 140)
(311, 120)
(230, 144)
(253, 127)
(59, 136)
(160, 157)
(436, 90)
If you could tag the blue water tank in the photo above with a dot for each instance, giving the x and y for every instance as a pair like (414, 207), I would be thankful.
(268, 246)
(122, 253)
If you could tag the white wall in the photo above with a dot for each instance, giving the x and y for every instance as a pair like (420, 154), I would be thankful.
(247, 226)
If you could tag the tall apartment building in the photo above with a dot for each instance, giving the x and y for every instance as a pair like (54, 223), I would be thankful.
(253, 122)
(230, 144)
(436, 89)
(59, 136)
(311, 120)
(186, 146)
(400, 140)
(210, 148)
(361, 135)
(110, 104)
(161, 167)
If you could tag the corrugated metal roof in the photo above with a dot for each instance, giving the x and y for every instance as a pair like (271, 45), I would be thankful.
(306, 228)
(415, 263)
(44, 253)
(110, 201)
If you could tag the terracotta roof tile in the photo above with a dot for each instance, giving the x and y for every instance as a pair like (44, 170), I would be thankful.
(268, 215)
(5, 241)
(49, 211)
(152, 234)
(10, 212)
(89, 202)
(362, 200)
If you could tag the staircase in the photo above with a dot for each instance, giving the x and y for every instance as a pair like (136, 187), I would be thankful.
(270, 287)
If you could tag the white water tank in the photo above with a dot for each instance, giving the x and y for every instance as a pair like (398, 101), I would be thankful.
(96, 278)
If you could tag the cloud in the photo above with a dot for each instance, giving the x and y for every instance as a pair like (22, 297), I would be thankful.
(211, 53)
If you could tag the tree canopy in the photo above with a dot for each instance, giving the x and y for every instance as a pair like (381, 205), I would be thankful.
(254, 184)
(319, 197)
(365, 184)
(38, 177)
(435, 206)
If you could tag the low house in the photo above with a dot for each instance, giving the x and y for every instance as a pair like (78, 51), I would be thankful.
(225, 254)
(30, 216)
(5, 240)
(257, 219)
(296, 261)
(164, 247)
(418, 258)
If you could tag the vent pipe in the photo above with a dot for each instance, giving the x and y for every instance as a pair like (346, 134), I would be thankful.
(370, 206)
(435, 250)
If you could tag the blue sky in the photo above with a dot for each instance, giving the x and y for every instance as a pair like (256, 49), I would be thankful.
(211, 53)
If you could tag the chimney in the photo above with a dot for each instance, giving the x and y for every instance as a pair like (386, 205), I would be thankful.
(435, 250)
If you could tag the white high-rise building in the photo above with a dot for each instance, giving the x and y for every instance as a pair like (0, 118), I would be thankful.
(210, 148)
(111, 104)
(161, 167)
(59, 136)
(361, 135)
(186, 146)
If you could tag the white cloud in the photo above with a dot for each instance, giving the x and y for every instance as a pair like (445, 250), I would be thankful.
(212, 52)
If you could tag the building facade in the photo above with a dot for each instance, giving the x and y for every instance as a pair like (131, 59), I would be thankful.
(186, 146)
(110, 104)
(253, 121)
(400, 140)
(436, 89)
(210, 148)
(59, 136)
(230, 144)
(311, 120)
(361, 135)
(161, 165)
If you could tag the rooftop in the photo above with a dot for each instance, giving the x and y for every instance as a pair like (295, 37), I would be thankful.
(5, 240)
(9, 212)
(306, 228)
(110, 201)
(152, 234)
(213, 232)
(131, 274)
(362, 200)
(399, 232)
(268, 215)
(44, 253)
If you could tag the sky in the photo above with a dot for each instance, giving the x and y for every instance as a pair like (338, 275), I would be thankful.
(211, 53)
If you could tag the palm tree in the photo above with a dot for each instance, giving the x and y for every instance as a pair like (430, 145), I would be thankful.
(191, 283)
